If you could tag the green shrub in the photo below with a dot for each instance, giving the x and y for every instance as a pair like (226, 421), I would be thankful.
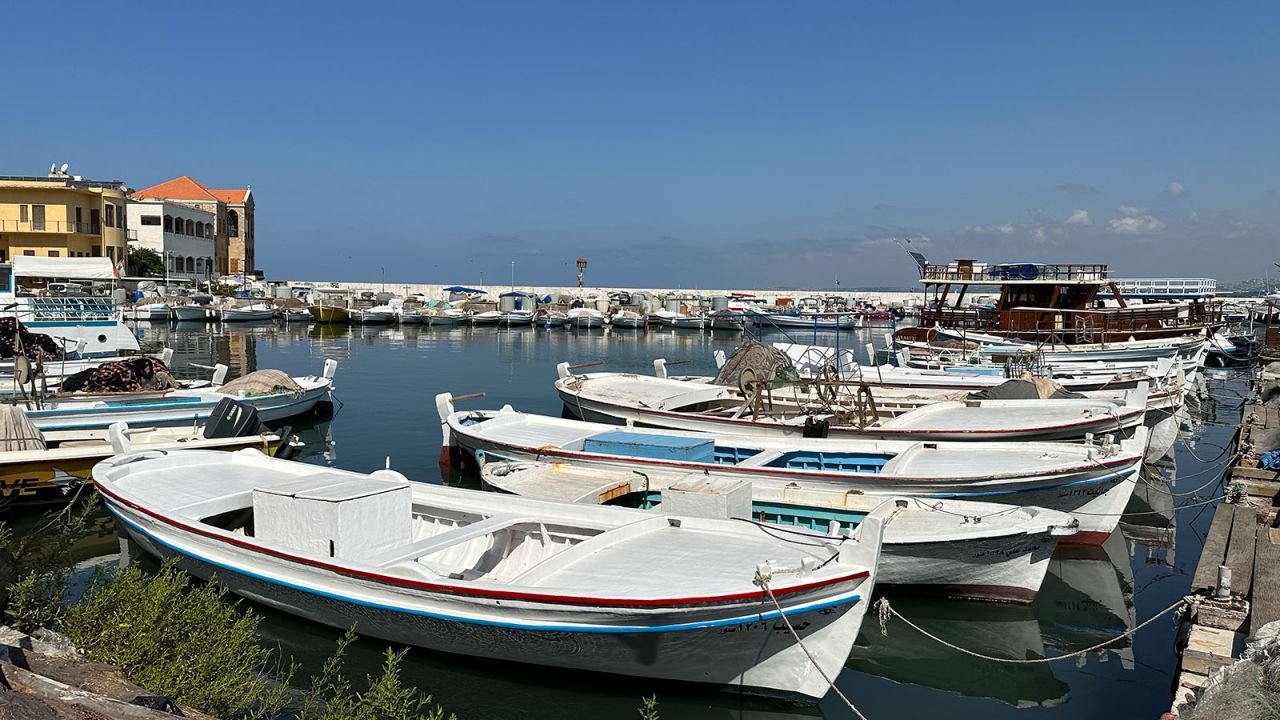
(331, 696)
(177, 638)
(43, 560)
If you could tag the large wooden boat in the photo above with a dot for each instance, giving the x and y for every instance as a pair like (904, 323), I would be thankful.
(1049, 303)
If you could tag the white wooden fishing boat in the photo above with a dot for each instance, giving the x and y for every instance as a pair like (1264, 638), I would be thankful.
(816, 360)
(807, 320)
(688, 322)
(151, 312)
(599, 589)
(933, 546)
(190, 313)
(488, 317)
(586, 317)
(377, 315)
(49, 467)
(1094, 479)
(799, 412)
(516, 318)
(446, 317)
(629, 319)
(726, 320)
(249, 313)
(178, 407)
(552, 318)
(295, 315)
(412, 317)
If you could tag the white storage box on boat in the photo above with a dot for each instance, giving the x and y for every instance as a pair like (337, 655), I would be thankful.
(335, 515)
(717, 498)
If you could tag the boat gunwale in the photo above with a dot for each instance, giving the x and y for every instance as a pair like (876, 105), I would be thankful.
(489, 593)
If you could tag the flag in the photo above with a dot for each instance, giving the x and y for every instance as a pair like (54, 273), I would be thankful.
(118, 268)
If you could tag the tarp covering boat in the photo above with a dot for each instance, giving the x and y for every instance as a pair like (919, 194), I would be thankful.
(1028, 388)
(261, 382)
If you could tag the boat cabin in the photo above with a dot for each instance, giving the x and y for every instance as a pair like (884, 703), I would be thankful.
(1049, 303)
(517, 300)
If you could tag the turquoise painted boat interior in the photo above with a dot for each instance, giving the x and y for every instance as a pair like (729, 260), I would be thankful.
(818, 519)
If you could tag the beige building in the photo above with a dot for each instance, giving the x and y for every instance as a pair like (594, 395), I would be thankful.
(233, 219)
(61, 215)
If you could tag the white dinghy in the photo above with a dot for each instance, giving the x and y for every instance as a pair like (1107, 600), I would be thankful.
(1094, 479)
(602, 589)
(836, 410)
(955, 548)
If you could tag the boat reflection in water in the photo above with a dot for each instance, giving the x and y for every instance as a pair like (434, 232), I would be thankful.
(1087, 597)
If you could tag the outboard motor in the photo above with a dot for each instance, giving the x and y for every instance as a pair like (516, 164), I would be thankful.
(286, 450)
(232, 419)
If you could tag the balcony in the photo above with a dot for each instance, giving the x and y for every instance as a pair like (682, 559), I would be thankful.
(51, 226)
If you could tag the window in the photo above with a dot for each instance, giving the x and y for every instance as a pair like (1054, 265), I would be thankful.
(55, 253)
(37, 218)
(120, 217)
(150, 219)
(208, 230)
(168, 223)
(199, 266)
(79, 217)
(29, 253)
(22, 213)
(199, 229)
(233, 224)
(191, 264)
(95, 220)
(95, 251)
(191, 228)
(173, 264)
(111, 215)
(111, 253)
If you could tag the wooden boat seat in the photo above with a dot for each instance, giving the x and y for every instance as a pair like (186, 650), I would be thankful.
(435, 543)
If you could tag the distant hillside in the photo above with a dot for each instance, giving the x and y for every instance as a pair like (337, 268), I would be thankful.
(1254, 286)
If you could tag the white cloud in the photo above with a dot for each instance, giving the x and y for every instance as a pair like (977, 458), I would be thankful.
(1079, 217)
(1176, 188)
(1136, 221)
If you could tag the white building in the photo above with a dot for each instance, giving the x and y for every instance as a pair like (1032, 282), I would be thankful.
(181, 234)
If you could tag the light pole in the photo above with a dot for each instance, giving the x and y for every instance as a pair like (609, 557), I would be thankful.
(582, 266)
(513, 276)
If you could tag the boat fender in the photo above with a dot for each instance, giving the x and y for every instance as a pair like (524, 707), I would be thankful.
(816, 427)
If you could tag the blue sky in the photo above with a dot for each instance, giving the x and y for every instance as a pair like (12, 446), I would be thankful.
(680, 144)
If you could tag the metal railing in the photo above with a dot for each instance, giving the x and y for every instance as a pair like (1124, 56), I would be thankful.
(995, 274)
(51, 226)
(1167, 287)
(90, 308)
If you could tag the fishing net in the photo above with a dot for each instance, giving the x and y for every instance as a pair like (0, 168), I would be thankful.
(133, 375)
(261, 382)
(759, 362)
(14, 334)
(17, 432)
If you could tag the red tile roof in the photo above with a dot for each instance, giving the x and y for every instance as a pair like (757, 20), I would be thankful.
(188, 188)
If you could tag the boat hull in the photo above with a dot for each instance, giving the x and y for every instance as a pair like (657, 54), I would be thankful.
(242, 315)
(330, 314)
(752, 653)
(189, 313)
(1099, 493)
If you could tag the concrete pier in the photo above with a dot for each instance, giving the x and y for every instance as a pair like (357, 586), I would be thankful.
(1236, 588)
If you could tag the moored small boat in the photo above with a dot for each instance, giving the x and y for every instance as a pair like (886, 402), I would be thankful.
(249, 313)
(190, 313)
(586, 317)
(627, 319)
(933, 547)
(1093, 478)
(602, 589)
(335, 314)
(377, 315)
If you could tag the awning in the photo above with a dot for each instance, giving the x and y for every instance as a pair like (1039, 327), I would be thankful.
(74, 268)
(460, 289)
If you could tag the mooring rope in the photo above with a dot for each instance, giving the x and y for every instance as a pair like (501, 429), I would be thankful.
(763, 582)
(885, 611)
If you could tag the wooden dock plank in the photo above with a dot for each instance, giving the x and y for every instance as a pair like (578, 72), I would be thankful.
(1211, 648)
(1244, 534)
(1215, 549)
(1265, 599)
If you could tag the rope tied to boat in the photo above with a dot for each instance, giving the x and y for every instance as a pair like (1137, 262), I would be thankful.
(763, 582)
(885, 612)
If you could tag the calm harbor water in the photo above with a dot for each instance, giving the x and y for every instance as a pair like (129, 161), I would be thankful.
(387, 379)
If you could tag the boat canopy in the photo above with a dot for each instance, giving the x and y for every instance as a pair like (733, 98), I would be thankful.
(461, 289)
(79, 268)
